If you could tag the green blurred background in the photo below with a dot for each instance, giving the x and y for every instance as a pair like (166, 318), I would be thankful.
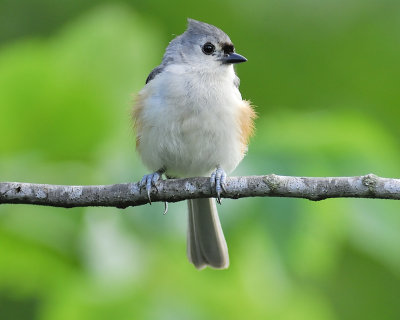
(325, 77)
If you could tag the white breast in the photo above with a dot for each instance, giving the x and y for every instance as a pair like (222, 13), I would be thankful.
(189, 123)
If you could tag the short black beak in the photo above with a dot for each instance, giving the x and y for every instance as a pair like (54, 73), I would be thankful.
(234, 58)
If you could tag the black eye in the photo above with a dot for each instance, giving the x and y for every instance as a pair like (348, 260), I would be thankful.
(208, 48)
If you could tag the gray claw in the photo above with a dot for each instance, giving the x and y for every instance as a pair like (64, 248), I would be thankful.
(223, 181)
(165, 207)
(218, 181)
(148, 195)
(212, 179)
(142, 182)
(148, 181)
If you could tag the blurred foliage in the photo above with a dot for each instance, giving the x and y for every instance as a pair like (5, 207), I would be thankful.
(324, 76)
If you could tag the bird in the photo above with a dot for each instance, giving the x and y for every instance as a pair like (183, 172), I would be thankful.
(190, 120)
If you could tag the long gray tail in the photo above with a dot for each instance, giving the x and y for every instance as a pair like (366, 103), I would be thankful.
(206, 245)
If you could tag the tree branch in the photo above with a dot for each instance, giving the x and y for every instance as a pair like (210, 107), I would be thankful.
(129, 194)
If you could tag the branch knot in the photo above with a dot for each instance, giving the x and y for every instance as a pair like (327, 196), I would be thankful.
(272, 182)
(370, 181)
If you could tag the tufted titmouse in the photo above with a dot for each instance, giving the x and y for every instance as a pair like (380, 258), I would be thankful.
(190, 120)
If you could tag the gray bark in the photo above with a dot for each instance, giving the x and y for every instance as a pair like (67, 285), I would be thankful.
(129, 194)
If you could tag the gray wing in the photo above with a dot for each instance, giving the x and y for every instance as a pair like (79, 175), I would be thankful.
(154, 73)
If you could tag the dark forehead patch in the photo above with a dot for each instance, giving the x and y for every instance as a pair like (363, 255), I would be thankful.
(227, 47)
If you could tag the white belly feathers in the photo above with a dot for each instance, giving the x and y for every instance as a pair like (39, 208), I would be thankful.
(190, 127)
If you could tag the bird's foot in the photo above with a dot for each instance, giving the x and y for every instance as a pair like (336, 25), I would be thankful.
(149, 180)
(217, 180)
